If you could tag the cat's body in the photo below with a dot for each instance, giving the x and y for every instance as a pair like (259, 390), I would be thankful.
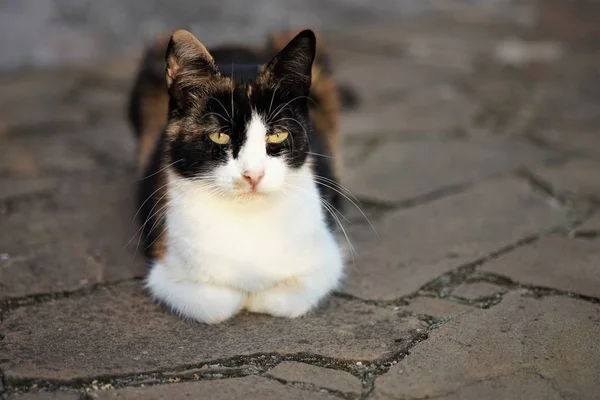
(230, 198)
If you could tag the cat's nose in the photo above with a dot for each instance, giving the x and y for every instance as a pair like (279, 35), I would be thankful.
(254, 177)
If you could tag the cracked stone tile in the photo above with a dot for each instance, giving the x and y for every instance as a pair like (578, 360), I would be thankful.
(382, 77)
(555, 262)
(112, 140)
(573, 140)
(71, 240)
(34, 156)
(37, 98)
(477, 290)
(522, 384)
(250, 387)
(592, 224)
(326, 378)
(46, 396)
(437, 308)
(521, 348)
(417, 245)
(117, 331)
(13, 187)
(399, 171)
(438, 108)
(576, 176)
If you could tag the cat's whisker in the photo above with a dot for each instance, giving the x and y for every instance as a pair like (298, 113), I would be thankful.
(273, 98)
(147, 199)
(282, 107)
(294, 120)
(219, 101)
(332, 211)
(232, 88)
(338, 185)
(214, 113)
(318, 155)
(137, 246)
(159, 171)
(351, 201)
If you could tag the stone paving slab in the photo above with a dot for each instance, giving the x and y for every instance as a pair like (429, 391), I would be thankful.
(46, 396)
(437, 108)
(17, 187)
(387, 173)
(436, 308)
(58, 238)
(571, 265)
(339, 381)
(576, 176)
(32, 156)
(477, 290)
(592, 224)
(379, 79)
(418, 244)
(518, 346)
(119, 331)
(251, 388)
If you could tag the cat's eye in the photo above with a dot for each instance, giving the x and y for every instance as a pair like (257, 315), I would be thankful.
(277, 137)
(219, 137)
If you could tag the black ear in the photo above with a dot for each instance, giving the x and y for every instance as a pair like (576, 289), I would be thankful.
(187, 59)
(293, 65)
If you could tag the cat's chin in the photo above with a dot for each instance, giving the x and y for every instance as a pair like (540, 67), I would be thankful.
(253, 195)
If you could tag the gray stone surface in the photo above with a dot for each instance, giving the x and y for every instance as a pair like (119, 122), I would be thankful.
(592, 224)
(251, 388)
(15, 187)
(418, 244)
(517, 346)
(119, 331)
(477, 290)
(388, 173)
(46, 396)
(567, 264)
(381, 79)
(78, 236)
(437, 108)
(325, 378)
(576, 176)
(435, 307)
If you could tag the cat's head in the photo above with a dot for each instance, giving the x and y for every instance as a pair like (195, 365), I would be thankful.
(241, 139)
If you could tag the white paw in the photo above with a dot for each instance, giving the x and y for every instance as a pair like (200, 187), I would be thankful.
(202, 302)
(289, 300)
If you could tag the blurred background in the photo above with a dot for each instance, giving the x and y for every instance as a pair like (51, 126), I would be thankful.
(58, 32)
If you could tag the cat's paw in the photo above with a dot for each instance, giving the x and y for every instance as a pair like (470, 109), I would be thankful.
(290, 299)
(198, 301)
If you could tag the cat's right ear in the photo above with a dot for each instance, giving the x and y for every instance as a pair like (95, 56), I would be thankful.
(188, 61)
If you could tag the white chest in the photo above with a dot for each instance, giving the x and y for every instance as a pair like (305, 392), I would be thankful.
(247, 247)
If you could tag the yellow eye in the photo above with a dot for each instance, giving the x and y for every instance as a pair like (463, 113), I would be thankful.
(277, 137)
(219, 138)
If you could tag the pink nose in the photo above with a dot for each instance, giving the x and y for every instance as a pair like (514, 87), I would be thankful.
(254, 177)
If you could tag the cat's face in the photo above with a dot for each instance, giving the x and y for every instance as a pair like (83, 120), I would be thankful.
(238, 140)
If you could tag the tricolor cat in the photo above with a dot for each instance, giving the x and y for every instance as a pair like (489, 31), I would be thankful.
(238, 188)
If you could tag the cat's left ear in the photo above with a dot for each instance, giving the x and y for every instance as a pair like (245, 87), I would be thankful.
(292, 66)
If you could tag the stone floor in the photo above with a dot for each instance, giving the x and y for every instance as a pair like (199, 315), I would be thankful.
(475, 153)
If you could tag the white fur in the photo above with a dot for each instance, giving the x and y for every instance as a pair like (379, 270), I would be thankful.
(229, 248)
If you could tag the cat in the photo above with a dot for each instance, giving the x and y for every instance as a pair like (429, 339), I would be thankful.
(239, 187)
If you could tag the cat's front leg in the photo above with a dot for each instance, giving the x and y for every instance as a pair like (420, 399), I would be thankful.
(295, 296)
(195, 300)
